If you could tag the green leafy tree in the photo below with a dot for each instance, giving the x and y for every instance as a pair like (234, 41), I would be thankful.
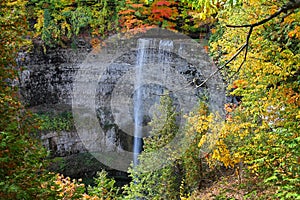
(163, 183)
(22, 174)
(105, 187)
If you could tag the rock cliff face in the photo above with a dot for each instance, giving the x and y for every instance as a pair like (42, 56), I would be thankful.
(47, 78)
(63, 143)
(47, 84)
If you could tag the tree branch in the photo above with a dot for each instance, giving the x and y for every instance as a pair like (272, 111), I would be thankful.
(230, 60)
(292, 4)
(246, 52)
(258, 23)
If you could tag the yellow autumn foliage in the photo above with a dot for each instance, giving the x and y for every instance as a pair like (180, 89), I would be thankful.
(262, 130)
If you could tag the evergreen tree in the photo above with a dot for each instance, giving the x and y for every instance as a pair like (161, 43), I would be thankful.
(162, 183)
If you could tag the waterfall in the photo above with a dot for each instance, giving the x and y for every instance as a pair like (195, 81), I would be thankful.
(143, 45)
(146, 54)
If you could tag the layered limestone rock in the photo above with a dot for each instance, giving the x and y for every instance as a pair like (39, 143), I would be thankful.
(47, 84)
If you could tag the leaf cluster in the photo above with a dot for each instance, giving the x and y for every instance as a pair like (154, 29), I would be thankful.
(168, 14)
(61, 22)
(55, 122)
(105, 187)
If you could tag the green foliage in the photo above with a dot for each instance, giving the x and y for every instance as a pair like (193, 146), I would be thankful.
(105, 187)
(192, 160)
(22, 172)
(208, 8)
(22, 168)
(58, 22)
(56, 122)
(62, 22)
(162, 183)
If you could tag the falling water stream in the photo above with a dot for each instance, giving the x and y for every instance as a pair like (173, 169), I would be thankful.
(138, 111)
(146, 54)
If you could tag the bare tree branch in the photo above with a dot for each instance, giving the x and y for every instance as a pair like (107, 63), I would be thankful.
(246, 52)
(230, 60)
(291, 5)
